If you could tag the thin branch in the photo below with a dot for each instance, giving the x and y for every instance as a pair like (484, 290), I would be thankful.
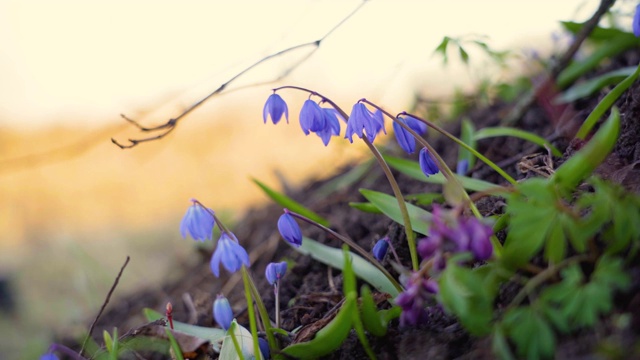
(104, 305)
(167, 127)
(529, 99)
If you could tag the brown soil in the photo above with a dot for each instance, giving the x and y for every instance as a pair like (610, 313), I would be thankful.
(317, 288)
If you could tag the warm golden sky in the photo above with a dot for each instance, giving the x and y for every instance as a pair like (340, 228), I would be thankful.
(93, 60)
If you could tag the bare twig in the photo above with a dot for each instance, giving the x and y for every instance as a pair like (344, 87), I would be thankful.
(530, 98)
(104, 304)
(167, 127)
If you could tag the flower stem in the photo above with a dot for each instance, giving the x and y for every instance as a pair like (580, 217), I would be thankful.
(411, 237)
(252, 316)
(464, 145)
(448, 174)
(353, 245)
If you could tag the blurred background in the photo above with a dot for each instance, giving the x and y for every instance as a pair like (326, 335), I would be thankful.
(73, 205)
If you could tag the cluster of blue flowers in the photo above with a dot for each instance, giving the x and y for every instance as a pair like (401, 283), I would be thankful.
(362, 122)
(199, 223)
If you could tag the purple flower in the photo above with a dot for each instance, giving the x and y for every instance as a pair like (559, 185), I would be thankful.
(222, 312)
(636, 22)
(289, 229)
(416, 125)
(332, 125)
(360, 119)
(380, 249)
(419, 292)
(275, 271)
(230, 252)
(275, 107)
(378, 125)
(427, 163)
(311, 117)
(406, 141)
(459, 234)
(480, 238)
(197, 222)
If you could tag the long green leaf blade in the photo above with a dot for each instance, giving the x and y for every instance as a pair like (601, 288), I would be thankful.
(389, 206)
(291, 204)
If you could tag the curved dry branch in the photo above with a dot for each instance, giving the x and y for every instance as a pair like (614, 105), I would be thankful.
(167, 127)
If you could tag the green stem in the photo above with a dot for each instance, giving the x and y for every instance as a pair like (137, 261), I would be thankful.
(236, 345)
(448, 174)
(264, 316)
(543, 276)
(411, 237)
(353, 245)
(252, 316)
(464, 145)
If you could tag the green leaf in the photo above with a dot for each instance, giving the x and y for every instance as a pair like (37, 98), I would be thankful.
(212, 334)
(245, 342)
(372, 321)
(291, 204)
(464, 56)
(362, 268)
(606, 103)
(177, 352)
(531, 333)
(365, 207)
(467, 135)
(593, 85)
(412, 168)
(525, 135)
(425, 199)
(532, 213)
(585, 161)
(462, 292)
(389, 206)
(613, 46)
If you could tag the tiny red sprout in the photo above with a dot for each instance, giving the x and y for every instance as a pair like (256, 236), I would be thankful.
(169, 314)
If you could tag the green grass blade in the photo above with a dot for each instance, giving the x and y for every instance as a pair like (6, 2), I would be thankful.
(412, 168)
(525, 135)
(365, 207)
(291, 204)
(212, 334)
(591, 86)
(613, 46)
(389, 206)
(467, 135)
(606, 103)
(587, 159)
(361, 267)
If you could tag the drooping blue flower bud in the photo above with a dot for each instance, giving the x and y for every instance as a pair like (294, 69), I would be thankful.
(222, 312)
(416, 125)
(311, 117)
(275, 271)
(197, 222)
(636, 22)
(462, 167)
(275, 107)
(406, 141)
(360, 119)
(332, 125)
(289, 229)
(380, 249)
(427, 163)
(230, 253)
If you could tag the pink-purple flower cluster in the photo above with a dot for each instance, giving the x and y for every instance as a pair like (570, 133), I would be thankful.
(458, 234)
